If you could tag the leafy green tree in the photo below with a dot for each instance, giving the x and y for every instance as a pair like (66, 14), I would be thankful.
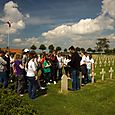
(42, 47)
(89, 50)
(82, 49)
(33, 47)
(51, 48)
(102, 44)
(58, 48)
(65, 50)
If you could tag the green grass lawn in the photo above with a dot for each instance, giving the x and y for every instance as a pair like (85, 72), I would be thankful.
(92, 99)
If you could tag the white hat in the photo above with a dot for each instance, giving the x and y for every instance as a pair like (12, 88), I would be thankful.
(26, 50)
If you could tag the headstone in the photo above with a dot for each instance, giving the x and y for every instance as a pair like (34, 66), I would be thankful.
(105, 62)
(109, 63)
(100, 64)
(95, 64)
(64, 83)
(113, 63)
(111, 72)
(103, 74)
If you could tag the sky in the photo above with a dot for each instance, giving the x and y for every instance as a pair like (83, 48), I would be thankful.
(62, 23)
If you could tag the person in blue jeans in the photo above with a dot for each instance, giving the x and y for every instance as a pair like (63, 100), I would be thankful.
(3, 73)
(75, 67)
(31, 75)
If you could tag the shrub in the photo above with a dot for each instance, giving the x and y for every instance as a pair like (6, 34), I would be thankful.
(12, 104)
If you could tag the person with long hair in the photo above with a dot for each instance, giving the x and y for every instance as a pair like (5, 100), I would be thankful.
(18, 69)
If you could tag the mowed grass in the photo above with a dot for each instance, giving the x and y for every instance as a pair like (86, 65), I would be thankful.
(92, 99)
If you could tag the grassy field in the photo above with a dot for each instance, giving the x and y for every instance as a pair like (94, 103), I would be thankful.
(92, 99)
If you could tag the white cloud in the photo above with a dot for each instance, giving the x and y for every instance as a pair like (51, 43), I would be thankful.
(27, 42)
(109, 7)
(86, 26)
(12, 13)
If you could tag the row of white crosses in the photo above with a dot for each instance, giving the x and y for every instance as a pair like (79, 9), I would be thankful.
(104, 63)
(103, 73)
(64, 80)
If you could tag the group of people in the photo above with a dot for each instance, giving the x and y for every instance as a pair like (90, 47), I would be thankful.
(26, 66)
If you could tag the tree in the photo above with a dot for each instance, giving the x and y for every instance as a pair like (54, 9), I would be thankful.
(33, 47)
(102, 44)
(65, 50)
(82, 49)
(89, 50)
(51, 48)
(42, 47)
(58, 48)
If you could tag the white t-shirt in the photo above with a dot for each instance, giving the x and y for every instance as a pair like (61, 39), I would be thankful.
(89, 63)
(60, 60)
(31, 68)
(83, 60)
(66, 61)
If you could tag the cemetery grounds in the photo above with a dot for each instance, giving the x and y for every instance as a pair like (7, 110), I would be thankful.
(93, 99)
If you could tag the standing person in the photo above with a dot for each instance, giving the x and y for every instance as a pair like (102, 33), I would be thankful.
(90, 66)
(7, 59)
(83, 63)
(24, 62)
(66, 66)
(11, 67)
(3, 73)
(47, 70)
(75, 66)
(54, 67)
(31, 75)
(19, 72)
(60, 65)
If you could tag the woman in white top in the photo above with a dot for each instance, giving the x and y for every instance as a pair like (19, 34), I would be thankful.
(90, 66)
(84, 67)
(31, 75)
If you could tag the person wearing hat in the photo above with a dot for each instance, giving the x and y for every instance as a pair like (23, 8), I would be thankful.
(3, 73)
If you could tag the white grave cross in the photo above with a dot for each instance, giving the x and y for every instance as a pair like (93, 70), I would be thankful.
(111, 72)
(102, 73)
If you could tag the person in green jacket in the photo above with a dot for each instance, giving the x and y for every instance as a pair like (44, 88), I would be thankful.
(47, 70)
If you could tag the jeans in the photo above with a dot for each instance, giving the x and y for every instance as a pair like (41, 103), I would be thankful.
(31, 87)
(89, 76)
(20, 84)
(75, 79)
(4, 79)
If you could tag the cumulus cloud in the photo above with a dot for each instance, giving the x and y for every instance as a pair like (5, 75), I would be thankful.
(12, 13)
(86, 26)
(27, 42)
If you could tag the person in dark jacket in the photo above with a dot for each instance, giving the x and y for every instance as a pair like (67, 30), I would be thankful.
(75, 67)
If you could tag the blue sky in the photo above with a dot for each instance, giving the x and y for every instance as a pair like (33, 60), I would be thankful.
(59, 22)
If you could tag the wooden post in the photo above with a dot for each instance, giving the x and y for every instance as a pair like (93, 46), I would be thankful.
(64, 83)
(93, 77)
(103, 74)
(111, 72)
